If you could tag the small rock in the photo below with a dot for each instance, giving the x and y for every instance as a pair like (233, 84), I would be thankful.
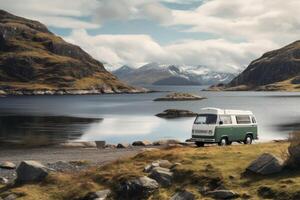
(11, 197)
(265, 164)
(175, 165)
(7, 165)
(164, 163)
(110, 146)
(183, 195)
(162, 175)
(31, 171)
(165, 142)
(3, 180)
(266, 192)
(100, 144)
(139, 188)
(141, 143)
(100, 195)
(123, 145)
(222, 194)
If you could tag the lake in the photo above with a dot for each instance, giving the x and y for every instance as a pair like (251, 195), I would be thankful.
(129, 117)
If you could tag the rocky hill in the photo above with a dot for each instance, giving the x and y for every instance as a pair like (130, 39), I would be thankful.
(156, 74)
(275, 70)
(35, 61)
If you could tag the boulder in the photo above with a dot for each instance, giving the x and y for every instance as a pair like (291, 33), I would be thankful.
(11, 197)
(123, 145)
(31, 171)
(141, 143)
(162, 175)
(174, 113)
(183, 195)
(100, 144)
(166, 142)
(99, 195)
(138, 188)
(158, 163)
(7, 165)
(222, 194)
(3, 180)
(265, 164)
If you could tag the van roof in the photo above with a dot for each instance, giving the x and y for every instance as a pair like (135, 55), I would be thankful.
(219, 111)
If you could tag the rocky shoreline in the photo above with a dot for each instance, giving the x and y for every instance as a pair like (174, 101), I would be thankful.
(71, 92)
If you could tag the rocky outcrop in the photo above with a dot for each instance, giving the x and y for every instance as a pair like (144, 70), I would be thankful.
(31, 171)
(123, 145)
(180, 97)
(162, 175)
(275, 70)
(265, 164)
(34, 61)
(174, 113)
(138, 188)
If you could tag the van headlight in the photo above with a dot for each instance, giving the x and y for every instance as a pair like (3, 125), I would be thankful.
(210, 132)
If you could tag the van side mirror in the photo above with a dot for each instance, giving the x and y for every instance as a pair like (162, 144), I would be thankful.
(221, 122)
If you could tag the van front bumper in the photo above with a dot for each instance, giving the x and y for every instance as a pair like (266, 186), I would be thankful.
(197, 138)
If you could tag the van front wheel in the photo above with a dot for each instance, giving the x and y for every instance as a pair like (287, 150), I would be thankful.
(248, 139)
(223, 142)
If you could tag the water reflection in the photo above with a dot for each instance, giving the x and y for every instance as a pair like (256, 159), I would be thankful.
(41, 130)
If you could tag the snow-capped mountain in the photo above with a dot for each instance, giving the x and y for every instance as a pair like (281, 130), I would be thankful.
(155, 74)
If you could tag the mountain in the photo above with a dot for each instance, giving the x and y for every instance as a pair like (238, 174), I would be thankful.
(35, 61)
(155, 74)
(275, 70)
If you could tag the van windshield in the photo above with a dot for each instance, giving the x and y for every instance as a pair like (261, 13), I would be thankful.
(206, 119)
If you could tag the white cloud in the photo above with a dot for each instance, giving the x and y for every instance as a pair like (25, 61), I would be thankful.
(220, 54)
(250, 20)
(56, 13)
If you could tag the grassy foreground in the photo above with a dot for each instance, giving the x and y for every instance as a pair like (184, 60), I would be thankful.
(199, 167)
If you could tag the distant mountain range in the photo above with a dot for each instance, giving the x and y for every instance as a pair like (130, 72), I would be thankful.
(277, 70)
(35, 61)
(156, 74)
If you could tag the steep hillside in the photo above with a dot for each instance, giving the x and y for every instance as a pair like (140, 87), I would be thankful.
(275, 70)
(155, 74)
(35, 61)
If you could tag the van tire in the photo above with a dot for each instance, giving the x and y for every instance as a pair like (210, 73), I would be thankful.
(199, 144)
(248, 139)
(223, 142)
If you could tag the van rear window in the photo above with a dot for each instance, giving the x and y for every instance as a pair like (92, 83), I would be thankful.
(243, 119)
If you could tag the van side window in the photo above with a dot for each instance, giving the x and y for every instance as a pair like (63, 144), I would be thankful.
(243, 119)
(226, 119)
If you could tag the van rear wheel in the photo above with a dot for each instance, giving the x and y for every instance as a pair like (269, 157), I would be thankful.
(248, 139)
(223, 142)
(199, 144)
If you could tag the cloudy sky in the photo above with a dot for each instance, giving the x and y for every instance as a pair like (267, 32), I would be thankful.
(223, 34)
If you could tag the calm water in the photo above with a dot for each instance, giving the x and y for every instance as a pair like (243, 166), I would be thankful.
(131, 117)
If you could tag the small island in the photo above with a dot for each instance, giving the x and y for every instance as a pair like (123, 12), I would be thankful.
(175, 113)
(177, 96)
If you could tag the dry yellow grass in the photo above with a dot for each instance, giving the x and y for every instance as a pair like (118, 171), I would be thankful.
(199, 165)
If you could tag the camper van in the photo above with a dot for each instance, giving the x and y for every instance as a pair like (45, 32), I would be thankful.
(213, 125)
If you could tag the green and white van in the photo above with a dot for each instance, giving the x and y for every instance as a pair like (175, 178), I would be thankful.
(213, 125)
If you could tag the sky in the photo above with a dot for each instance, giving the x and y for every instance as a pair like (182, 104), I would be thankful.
(225, 35)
